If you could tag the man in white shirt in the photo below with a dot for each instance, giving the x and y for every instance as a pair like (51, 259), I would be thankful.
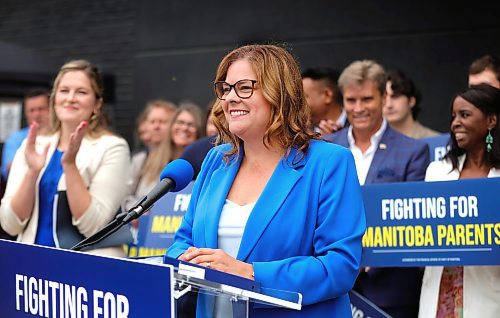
(381, 155)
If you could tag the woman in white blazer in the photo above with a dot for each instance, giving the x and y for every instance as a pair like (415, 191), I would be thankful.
(468, 291)
(68, 185)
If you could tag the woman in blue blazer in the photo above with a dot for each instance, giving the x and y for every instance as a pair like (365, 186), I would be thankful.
(274, 203)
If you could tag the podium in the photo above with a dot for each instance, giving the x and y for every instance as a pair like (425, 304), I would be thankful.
(47, 282)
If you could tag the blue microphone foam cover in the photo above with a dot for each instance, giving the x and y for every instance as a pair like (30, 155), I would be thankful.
(179, 170)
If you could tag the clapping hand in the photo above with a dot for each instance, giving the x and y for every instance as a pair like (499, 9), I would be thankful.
(75, 140)
(34, 160)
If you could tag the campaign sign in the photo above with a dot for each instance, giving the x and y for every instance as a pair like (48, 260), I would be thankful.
(432, 223)
(363, 308)
(158, 227)
(438, 146)
(39, 281)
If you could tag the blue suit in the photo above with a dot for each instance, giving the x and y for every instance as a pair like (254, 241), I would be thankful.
(304, 233)
(399, 158)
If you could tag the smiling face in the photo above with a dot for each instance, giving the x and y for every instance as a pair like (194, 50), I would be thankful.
(247, 118)
(75, 100)
(469, 125)
(363, 104)
(184, 129)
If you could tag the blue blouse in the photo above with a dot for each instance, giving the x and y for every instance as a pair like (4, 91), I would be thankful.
(47, 192)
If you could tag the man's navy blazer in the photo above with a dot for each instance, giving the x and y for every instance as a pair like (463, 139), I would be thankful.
(398, 158)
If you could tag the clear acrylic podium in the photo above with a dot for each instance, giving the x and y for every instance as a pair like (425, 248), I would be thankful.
(211, 293)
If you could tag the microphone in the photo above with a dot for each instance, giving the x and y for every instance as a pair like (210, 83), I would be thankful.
(174, 177)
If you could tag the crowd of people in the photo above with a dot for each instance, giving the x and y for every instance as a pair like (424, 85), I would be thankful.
(278, 200)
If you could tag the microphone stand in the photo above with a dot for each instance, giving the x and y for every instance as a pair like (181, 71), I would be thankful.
(120, 220)
(140, 207)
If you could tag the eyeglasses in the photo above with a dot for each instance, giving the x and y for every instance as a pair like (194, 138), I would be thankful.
(185, 123)
(243, 88)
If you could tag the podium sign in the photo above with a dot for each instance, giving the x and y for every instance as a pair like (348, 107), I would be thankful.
(39, 281)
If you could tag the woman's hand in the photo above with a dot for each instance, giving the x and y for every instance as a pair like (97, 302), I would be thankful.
(219, 260)
(23, 200)
(75, 140)
(79, 197)
(34, 160)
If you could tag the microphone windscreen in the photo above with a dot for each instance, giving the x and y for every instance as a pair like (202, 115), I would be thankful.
(179, 170)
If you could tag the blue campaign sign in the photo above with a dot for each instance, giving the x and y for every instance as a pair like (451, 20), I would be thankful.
(363, 308)
(39, 281)
(438, 146)
(408, 224)
(432, 223)
(158, 227)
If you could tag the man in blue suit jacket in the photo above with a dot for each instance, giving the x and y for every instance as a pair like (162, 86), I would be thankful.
(398, 158)
(381, 155)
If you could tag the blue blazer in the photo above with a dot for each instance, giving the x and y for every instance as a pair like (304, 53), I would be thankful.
(398, 158)
(304, 233)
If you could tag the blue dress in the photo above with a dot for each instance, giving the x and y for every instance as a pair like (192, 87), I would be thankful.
(47, 192)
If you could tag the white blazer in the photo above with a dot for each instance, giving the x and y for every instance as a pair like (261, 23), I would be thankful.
(103, 164)
(481, 289)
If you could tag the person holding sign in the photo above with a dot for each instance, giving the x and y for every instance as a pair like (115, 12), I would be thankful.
(467, 291)
(382, 155)
(274, 203)
(68, 185)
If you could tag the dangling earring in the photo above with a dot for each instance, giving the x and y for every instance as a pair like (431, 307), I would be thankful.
(93, 120)
(489, 141)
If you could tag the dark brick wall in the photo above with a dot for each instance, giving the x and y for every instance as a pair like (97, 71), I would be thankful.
(100, 31)
(170, 49)
(432, 41)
